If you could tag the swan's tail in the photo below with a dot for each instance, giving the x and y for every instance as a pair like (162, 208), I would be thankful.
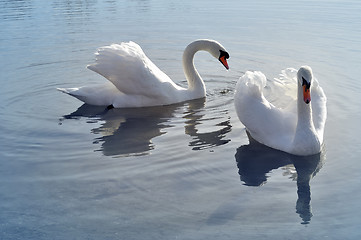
(101, 95)
(75, 92)
(67, 90)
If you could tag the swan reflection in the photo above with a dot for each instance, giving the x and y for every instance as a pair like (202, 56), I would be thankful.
(255, 161)
(130, 131)
(125, 131)
(194, 116)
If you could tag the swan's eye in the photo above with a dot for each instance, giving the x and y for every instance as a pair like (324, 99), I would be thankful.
(305, 83)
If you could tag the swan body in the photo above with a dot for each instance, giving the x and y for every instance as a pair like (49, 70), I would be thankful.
(297, 124)
(135, 81)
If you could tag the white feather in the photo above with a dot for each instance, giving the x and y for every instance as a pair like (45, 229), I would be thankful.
(274, 120)
(135, 81)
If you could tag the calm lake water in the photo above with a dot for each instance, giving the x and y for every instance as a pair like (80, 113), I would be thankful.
(186, 171)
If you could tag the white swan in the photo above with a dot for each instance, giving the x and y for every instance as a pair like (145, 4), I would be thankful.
(296, 128)
(135, 81)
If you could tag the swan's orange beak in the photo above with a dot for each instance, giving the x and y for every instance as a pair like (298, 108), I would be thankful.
(223, 60)
(306, 94)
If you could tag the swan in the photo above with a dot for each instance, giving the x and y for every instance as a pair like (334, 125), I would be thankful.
(135, 81)
(296, 126)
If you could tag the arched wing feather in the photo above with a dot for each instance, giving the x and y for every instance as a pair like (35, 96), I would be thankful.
(263, 119)
(130, 70)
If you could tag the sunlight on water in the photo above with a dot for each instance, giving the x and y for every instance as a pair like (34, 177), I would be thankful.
(184, 171)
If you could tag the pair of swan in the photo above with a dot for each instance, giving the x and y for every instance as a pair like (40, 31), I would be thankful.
(135, 81)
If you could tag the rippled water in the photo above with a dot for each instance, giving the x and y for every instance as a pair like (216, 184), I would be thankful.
(186, 171)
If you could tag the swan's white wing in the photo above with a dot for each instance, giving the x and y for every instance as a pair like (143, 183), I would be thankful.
(282, 91)
(131, 71)
(319, 109)
(270, 125)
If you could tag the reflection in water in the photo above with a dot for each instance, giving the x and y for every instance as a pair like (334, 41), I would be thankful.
(208, 139)
(126, 131)
(130, 131)
(255, 161)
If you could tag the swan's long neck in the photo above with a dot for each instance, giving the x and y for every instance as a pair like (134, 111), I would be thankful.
(304, 111)
(195, 82)
(306, 140)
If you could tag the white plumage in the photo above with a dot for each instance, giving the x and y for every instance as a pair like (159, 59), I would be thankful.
(287, 121)
(135, 81)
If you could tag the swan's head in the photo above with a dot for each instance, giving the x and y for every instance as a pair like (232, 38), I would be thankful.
(219, 52)
(223, 56)
(304, 76)
(216, 50)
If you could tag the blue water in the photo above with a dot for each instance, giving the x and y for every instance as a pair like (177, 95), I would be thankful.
(186, 171)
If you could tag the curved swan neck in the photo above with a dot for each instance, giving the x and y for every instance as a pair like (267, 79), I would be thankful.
(195, 82)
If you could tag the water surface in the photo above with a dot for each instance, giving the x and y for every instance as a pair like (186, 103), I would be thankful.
(186, 171)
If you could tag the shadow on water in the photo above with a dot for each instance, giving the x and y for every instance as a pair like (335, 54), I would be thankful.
(130, 131)
(255, 161)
